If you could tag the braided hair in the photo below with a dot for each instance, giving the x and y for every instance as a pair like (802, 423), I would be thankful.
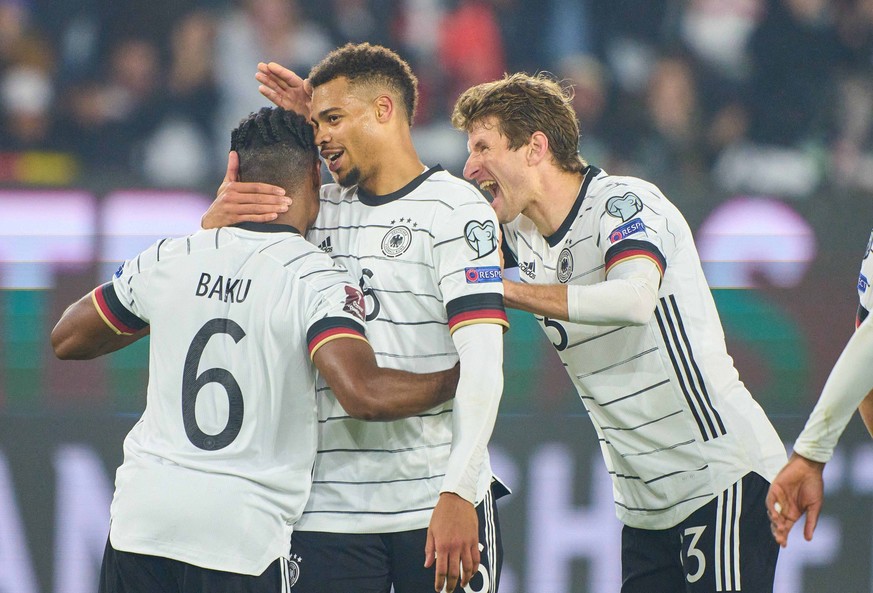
(275, 146)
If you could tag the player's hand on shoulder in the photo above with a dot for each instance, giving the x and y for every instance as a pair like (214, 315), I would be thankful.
(238, 201)
(453, 542)
(284, 88)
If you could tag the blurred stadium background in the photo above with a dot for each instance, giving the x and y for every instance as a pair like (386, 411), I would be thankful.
(754, 116)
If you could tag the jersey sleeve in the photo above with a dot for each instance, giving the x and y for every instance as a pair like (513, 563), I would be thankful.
(335, 305)
(865, 292)
(123, 302)
(467, 264)
(631, 228)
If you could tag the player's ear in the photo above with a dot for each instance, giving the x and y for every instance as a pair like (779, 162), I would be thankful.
(537, 148)
(384, 107)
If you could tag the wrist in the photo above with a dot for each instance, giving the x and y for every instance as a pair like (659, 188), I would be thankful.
(511, 293)
(454, 497)
(816, 466)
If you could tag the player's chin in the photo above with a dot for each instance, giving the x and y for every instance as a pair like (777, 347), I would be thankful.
(503, 216)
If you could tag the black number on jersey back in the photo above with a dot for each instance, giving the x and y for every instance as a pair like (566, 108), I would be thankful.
(192, 383)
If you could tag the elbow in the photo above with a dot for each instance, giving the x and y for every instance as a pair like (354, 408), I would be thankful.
(357, 406)
(67, 347)
(358, 402)
(61, 345)
(66, 350)
(640, 317)
(644, 309)
(368, 414)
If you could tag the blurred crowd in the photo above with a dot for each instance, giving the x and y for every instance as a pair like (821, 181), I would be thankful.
(700, 96)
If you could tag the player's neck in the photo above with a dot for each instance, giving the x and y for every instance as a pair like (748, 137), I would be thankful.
(395, 167)
(554, 195)
(298, 214)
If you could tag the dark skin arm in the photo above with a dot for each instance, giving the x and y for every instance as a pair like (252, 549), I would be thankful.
(369, 392)
(365, 390)
(81, 334)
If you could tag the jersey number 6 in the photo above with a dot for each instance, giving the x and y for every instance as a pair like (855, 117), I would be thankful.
(192, 383)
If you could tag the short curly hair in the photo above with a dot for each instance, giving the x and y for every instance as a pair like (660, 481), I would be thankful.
(363, 63)
(275, 146)
(523, 104)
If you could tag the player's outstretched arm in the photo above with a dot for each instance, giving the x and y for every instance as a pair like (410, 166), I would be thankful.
(628, 296)
(81, 334)
(797, 490)
(238, 201)
(369, 392)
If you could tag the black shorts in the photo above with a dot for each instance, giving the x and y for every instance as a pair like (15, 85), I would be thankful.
(725, 545)
(128, 572)
(373, 563)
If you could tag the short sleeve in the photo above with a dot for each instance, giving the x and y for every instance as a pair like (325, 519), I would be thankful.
(123, 301)
(335, 305)
(467, 263)
(631, 227)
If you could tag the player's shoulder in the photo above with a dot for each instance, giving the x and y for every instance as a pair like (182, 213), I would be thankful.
(291, 251)
(165, 250)
(334, 194)
(616, 188)
(452, 190)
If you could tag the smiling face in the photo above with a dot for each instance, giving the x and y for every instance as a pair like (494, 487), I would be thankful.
(345, 126)
(497, 169)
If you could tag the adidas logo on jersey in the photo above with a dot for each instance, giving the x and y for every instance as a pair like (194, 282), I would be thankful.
(326, 245)
(529, 268)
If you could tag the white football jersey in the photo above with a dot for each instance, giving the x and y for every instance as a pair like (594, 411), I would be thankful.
(865, 293)
(675, 424)
(427, 260)
(218, 469)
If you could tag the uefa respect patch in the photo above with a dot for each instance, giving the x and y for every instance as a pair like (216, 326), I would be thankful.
(629, 228)
(863, 284)
(483, 274)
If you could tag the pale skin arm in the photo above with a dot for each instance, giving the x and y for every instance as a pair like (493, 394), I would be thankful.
(453, 534)
(797, 489)
(549, 300)
(628, 296)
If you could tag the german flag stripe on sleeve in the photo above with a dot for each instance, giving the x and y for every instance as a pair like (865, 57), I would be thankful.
(862, 315)
(331, 328)
(476, 308)
(634, 248)
(116, 315)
